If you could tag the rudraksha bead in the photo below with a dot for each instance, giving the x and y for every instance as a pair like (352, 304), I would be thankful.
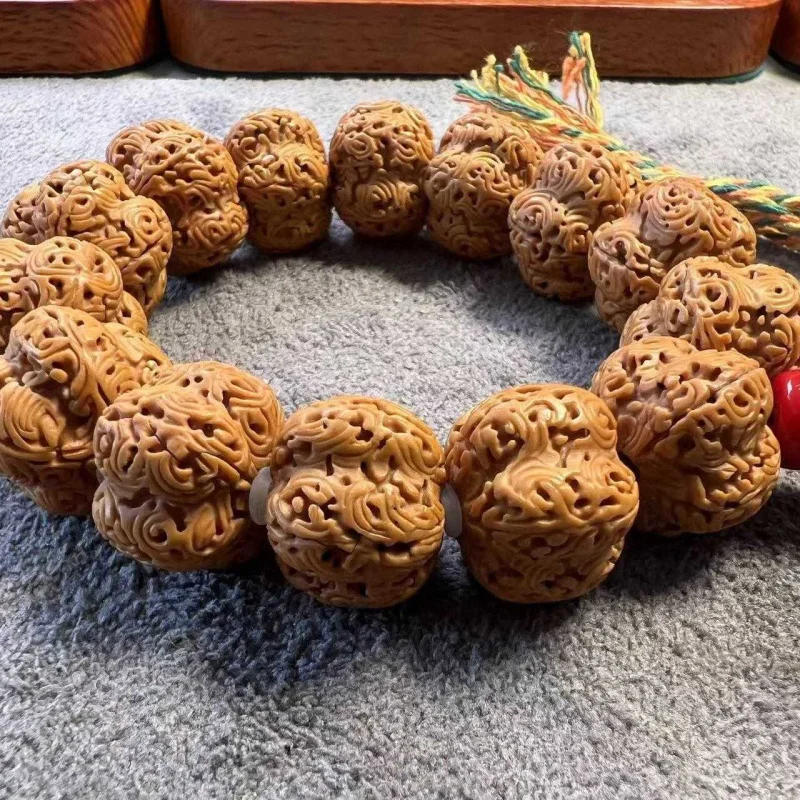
(546, 501)
(354, 513)
(283, 179)
(674, 219)
(378, 155)
(89, 200)
(176, 460)
(755, 310)
(63, 272)
(576, 188)
(484, 161)
(694, 425)
(193, 178)
(62, 367)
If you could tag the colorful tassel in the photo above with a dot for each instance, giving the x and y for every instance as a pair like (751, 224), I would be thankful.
(526, 93)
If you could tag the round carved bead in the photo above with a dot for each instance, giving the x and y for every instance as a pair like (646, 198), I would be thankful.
(89, 200)
(64, 272)
(193, 178)
(484, 161)
(378, 155)
(546, 501)
(674, 219)
(62, 367)
(694, 424)
(354, 513)
(576, 189)
(755, 310)
(283, 179)
(176, 460)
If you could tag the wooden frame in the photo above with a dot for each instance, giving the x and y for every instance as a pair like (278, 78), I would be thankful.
(637, 38)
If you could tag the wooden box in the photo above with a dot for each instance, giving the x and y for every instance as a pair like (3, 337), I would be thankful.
(637, 38)
(74, 36)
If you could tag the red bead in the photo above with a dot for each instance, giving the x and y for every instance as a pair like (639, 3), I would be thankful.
(785, 419)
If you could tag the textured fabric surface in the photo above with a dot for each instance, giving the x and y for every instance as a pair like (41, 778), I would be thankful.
(678, 677)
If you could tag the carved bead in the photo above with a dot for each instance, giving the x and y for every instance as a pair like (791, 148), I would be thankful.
(18, 222)
(62, 367)
(694, 424)
(63, 272)
(89, 200)
(176, 460)
(354, 512)
(261, 132)
(755, 310)
(193, 178)
(546, 502)
(131, 314)
(378, 155)
(576, 189)
(283, 179)
(484, 161)
(674, 219)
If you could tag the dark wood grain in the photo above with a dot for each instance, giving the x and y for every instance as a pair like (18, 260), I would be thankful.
(641, 38)
(786, 42)
(73, 36)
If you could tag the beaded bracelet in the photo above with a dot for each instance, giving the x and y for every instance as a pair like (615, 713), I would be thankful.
(184, 466)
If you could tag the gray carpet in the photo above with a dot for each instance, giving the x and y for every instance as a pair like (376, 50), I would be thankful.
(677, 678)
